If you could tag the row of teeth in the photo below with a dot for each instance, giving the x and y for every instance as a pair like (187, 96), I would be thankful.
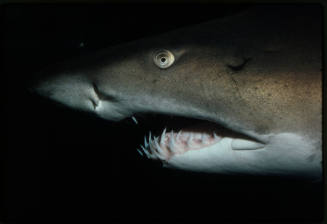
(157, 148)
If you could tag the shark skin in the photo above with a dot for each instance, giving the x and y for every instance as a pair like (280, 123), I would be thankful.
(257, 74)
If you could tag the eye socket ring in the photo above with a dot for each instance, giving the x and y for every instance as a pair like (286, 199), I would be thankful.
(163, 59)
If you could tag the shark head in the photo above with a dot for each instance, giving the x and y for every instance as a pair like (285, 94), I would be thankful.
(252, 83)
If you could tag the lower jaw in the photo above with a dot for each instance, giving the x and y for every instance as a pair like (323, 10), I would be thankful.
(180, 136)
(169, 144)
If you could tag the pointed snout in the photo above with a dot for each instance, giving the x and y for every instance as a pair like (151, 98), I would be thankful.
(73, 91)
(78, 91)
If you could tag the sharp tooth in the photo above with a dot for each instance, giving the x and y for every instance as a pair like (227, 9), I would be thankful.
(145, 151)
(172, 142)
(178, 135)
(134, 119)
(150, 144)
(150, 138)
(139, 152)
(155, 153)
(242, 144)
(151, 147)
(190, 137)
(204, 138)
(215, 136)
(162, 138)
(158, 146)
(145, 142)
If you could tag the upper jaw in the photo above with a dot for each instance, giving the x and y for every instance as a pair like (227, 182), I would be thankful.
(122, 108)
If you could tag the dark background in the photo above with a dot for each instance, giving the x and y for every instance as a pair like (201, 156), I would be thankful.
(65, 166)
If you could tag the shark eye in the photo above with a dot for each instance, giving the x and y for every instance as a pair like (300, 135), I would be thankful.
(163, 59)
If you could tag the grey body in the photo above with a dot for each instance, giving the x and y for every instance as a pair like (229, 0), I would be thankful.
(257, 73)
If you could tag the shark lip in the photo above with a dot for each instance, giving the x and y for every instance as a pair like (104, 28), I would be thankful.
(179, 135)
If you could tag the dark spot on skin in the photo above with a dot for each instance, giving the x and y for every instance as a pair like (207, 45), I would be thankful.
(154, 81)
(239, 67)
(269, 94)
(285, 85)
(256, 88)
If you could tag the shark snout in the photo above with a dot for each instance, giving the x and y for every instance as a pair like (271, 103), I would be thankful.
(72, 91)
(80, 92)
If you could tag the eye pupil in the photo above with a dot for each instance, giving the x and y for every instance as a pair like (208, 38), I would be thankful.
(163, 59)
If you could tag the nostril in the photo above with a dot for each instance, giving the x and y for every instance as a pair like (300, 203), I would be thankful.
(103, 96)
(95, 97)
(94, 103)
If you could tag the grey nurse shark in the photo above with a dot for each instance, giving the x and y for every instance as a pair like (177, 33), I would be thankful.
(258, 74)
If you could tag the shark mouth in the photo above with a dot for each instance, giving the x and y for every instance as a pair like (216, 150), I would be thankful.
(169, 144)
(162, 143)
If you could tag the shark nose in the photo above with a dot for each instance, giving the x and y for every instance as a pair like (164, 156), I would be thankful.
(72, 91)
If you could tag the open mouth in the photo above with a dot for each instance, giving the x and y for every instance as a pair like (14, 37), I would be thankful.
(175, 135)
